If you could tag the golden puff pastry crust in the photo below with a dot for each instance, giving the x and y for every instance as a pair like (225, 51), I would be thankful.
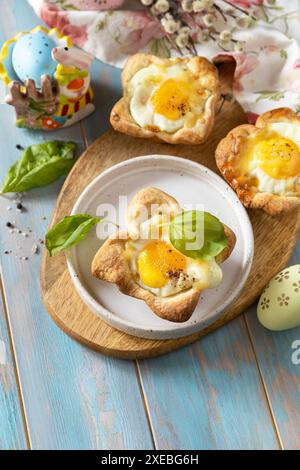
(207, 73)
(110, 264)
(227, 157)
(146, 203)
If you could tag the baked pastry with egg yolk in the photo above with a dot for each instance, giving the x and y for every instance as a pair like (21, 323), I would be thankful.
(144, 264)
(170, 100)
(262, 162)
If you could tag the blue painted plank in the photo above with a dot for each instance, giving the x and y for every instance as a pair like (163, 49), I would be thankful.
(209, 395)
(12, 433)
(281, 375)
(74, 398)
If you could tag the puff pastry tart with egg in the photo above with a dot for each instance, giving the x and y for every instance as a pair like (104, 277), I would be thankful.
(169, 100)
(144, 262)
(262, 162)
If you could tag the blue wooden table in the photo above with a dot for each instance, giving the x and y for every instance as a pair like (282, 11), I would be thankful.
(234, 389)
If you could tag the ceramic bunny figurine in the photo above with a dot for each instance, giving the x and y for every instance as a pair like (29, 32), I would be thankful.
(48, 79)
(73, 78)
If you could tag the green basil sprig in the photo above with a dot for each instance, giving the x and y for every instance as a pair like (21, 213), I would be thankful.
(69, 232)
(40, 165)
(191, 226)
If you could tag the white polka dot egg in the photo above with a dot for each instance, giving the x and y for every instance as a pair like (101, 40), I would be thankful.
(279, 305)
(32, 58)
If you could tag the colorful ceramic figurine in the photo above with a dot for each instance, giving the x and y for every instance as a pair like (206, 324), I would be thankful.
(48, 79)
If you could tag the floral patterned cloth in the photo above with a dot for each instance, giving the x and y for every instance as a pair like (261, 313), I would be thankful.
(267, 72)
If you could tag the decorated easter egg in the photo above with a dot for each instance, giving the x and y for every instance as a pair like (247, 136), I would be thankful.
(279, 305)
(32, 58)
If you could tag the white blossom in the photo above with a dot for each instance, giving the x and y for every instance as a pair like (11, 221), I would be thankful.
(243, 22)
(185, 30)
(200, 5)
(225, 36)
(147, 3)
(205, 15)
(187, 5)
(154, 10)
(182, 40)
(229, 10)
(208, 19)
(169, 24)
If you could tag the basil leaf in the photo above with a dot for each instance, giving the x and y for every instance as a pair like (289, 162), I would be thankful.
(69, 232)
(198, 235)
(40, 165)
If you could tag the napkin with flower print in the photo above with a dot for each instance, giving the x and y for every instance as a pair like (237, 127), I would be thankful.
(261, 36)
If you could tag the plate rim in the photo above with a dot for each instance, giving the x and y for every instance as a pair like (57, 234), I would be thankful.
(158, 332)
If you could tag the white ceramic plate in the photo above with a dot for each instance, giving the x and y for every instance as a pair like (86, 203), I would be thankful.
(190, 183)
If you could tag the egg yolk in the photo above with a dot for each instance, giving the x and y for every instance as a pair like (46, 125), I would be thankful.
(278, 157)
(171, 99)
(157, 262)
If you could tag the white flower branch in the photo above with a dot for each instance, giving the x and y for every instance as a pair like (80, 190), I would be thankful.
(187, 21)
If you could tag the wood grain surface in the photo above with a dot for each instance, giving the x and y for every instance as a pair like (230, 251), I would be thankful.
(275, 239)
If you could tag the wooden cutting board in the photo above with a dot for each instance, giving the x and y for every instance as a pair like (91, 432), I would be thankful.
(275, 238)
